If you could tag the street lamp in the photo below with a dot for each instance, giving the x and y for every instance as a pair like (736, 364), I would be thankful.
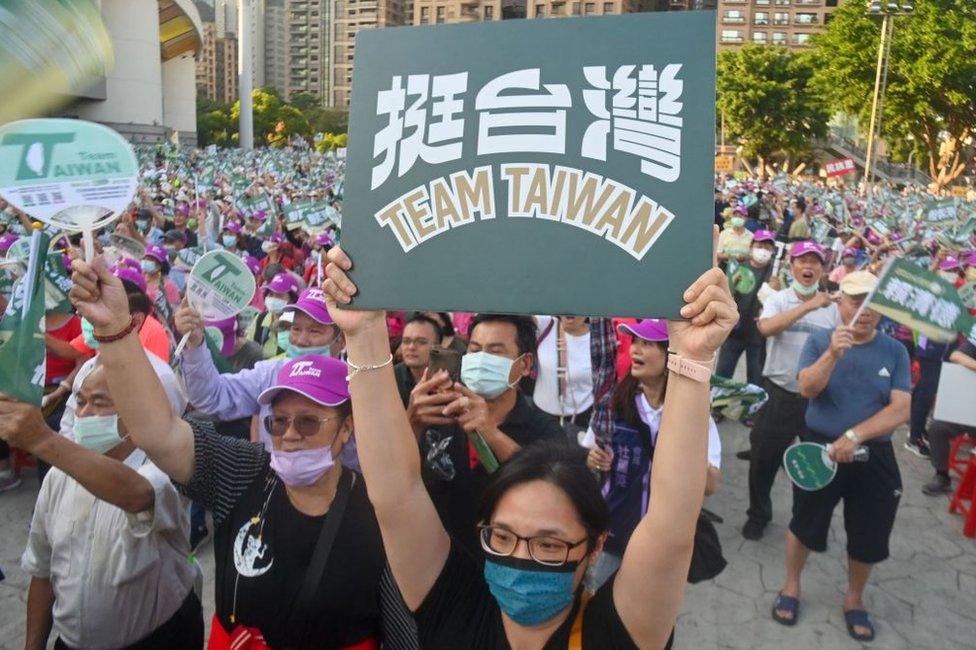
(888, 9)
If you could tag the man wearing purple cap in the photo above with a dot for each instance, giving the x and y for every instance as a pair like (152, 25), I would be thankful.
(179, 225)
(279, 292)
(788, 317)
(233, 396)
(745, 283)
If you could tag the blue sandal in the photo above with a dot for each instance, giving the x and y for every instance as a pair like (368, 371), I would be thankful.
(789, 604)
(858, 618)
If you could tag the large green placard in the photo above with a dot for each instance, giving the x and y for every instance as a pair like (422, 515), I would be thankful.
(550, 166)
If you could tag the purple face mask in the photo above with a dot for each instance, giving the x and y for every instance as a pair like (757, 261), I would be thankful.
(303, 467)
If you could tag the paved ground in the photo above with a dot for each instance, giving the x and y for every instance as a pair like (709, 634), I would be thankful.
(922, 597)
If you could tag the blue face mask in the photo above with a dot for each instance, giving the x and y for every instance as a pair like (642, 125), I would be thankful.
(97, 432)
(805, 291)
(295, 351)
(88, 332)
(528, 592)
(275, 305)
(486, 374)
(229, 240)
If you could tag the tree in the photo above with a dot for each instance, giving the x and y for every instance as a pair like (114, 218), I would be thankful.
(931, 91)
(331, 141)
(214, 124)
(765, 96)
(274, 120)
(328, 120)
(305, 101)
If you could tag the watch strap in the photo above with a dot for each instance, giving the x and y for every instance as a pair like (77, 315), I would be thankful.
(700, 371)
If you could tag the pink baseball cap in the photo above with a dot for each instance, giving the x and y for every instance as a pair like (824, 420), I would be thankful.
(969, 258)
(324, 239)
(126, 272)
(649, 329)
(259, 215)
(312, 303)
(849, 252)
(319, 378)
(228, 328)
(252, 263)
(949, 264)
(157, 252)
(6, 241)
(802, 248)
(233, 227)
(764, 235)
(277, 237)
(281, 283)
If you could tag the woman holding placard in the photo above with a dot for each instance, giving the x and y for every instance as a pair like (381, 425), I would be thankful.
(543, 519)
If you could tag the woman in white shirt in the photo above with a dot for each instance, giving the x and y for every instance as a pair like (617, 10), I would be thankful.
(564, 386)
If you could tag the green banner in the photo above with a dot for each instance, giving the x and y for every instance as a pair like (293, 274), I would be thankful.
(944, 210)
(57, 284)
(737, 400)
(22, 351)
(483, 168)
(921, 300)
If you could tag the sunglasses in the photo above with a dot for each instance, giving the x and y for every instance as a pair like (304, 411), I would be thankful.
(305, 425)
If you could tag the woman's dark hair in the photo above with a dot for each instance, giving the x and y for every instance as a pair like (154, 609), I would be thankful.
(622, 403)
(525, 329)
(138, 300)
(560, 463)
(447, 325)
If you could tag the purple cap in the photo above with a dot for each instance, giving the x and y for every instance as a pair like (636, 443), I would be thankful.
(126, 272)
(741, 209)
(649, 329)
(969, 259)
(6, 241)
(228, 328)
(319, 378)
(183, 209)
(282, 283)
(277, 237)
(802, 248)
(259, 215)
(950, 263)
(66, 259)
(252, 263)
(312, 303)
(128, 262)
(764, 235)
(156, 252)
(324, 239)
(849, 252)
(233, 227)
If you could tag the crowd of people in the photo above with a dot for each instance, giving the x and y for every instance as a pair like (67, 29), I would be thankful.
(449, 480)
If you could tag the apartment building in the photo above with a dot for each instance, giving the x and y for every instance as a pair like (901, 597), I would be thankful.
(309, 46)
(276, 46)
(789, 23)
(351, 16)
(562, 8)
(216, 66)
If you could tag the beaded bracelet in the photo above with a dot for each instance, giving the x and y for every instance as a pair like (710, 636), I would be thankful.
(358, 369)
(116, 337)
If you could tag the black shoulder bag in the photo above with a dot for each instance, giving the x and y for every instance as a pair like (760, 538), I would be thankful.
(301, 613)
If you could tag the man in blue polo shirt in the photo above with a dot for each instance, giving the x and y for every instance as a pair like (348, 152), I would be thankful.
(858, 383)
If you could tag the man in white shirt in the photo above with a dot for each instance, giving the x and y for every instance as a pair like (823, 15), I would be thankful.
(108, 544)
(788, 317)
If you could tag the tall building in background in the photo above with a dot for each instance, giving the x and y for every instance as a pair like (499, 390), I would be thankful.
(790, 23)
(350, 17)
(276, 46)
(309, 47)
(216, 71)
(691, 5)
(562, 8)
(225, 16)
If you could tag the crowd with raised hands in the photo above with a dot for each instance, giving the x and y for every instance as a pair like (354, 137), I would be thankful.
(436, 479)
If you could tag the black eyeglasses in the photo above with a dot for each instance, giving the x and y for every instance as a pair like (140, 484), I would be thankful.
(305, 425)
(544, 549)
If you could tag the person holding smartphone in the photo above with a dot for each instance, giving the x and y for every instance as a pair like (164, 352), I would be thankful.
(420, 335)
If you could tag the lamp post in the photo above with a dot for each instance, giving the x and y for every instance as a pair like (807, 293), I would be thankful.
(244, 66)
(887, 9)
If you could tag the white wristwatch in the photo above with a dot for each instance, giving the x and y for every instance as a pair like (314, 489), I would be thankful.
(852, 436)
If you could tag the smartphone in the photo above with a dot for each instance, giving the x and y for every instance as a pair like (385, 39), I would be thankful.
(444, 359)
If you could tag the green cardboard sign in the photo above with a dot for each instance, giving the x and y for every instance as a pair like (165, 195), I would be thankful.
(921, 300)
(51, 168)
(220, 285)
(808, 466)
(22, 351)
(527, 166)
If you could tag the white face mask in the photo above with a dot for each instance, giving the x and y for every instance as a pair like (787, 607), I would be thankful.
(98, 432)
(761, 255)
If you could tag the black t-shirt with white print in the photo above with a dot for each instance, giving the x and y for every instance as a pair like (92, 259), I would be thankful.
(261, 559)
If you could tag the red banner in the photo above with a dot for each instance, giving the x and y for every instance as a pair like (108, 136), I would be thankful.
(840, 167)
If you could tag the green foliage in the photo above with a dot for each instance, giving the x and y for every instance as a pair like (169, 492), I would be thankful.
(331, 141)
(765, 96)
(328, 120)
(305, 101)
(214, 124)
(931, 91)
(274, 120)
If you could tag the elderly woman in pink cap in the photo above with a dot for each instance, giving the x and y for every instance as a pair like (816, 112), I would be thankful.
(298, 553)
(266, 330)
(637, 404)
